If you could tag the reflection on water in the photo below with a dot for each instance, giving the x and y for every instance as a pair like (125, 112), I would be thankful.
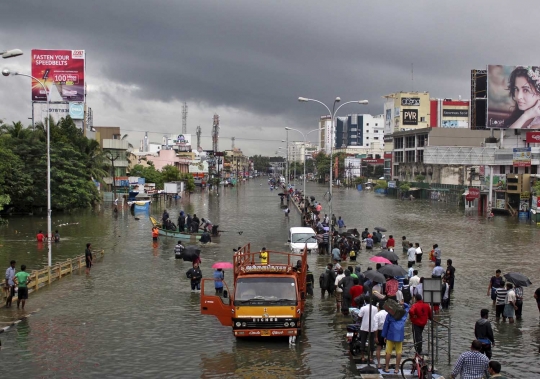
(135, 315)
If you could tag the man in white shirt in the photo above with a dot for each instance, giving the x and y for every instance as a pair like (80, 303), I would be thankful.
(413, 282)
(411, 255)
(419, 252)
(510, 303)
(339, 291)
(380, 317)
(367, 314)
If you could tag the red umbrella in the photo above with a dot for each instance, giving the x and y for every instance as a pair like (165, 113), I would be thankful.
(377, 259)
(222, 265)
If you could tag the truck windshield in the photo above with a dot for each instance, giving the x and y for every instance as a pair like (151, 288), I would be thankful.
(265, 290)
(303, 238)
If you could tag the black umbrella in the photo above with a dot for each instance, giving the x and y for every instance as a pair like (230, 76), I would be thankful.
(393, 270)
(375, 276)
(379, 229)
(390, 255)
(191, 253)
(518, 279)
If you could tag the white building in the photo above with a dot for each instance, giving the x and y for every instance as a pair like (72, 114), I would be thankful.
(298, 151)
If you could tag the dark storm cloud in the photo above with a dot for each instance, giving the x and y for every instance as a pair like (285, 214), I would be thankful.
(259, 56)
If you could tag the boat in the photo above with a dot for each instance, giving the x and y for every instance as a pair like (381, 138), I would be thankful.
(140, 202)
(174, 233)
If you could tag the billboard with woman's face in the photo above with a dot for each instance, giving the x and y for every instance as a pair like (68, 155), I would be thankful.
(513, 97)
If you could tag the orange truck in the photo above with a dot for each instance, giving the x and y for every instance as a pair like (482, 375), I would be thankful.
(268, 297)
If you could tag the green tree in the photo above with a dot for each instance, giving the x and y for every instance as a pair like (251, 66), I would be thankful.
(405, 186)
(420, 178)
(189, 180)
(170, 173)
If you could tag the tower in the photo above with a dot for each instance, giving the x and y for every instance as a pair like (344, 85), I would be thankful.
(232, 143)
(184, 118)
(215, 133)
(198, 136)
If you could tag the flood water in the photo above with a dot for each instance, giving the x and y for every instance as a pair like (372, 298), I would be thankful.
(135, 316)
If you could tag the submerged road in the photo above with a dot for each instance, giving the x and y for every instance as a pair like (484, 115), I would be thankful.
(135, 316)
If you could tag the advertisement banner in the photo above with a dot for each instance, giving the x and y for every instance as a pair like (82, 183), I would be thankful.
(463, 113)
(410, 117)
(76, 110)
(522, 157)
(513, 92)
(533, 137)
(410, 101)
(62, 73)
(474, 193)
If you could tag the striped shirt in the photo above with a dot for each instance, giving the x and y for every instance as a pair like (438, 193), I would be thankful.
(501, 295)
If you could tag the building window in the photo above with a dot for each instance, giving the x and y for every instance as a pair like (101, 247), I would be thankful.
(398, 156)
(420, 156)
(516, 170)
(376, 131)
(367, 123)
(409, 157)
(376, 124)
(398, 143)
(502, 169)
(534, 170)
(375, 137)
(526, 170)
(422, 140)
(422, 119)
(409, 142)
(367, 137)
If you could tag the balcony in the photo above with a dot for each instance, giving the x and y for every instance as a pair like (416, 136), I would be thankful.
(115, 144)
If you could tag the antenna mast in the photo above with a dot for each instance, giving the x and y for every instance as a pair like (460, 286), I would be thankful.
(184, 118)
(215, 133)
(232, 142)
(198, 136)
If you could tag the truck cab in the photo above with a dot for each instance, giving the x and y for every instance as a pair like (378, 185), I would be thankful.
(301, 238)
(268, 297)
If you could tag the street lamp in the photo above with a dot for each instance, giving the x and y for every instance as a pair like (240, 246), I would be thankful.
(11, 53)
(6, 72)
(332, 115)
(304, 136)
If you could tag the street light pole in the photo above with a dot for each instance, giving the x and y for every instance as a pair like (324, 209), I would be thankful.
(6, 72)
(332, 115)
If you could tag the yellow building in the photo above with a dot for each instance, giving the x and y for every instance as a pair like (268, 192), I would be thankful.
(406, 111)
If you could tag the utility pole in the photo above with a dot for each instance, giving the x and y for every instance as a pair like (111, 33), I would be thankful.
(184, 118)
(215, 133)
(232, 143)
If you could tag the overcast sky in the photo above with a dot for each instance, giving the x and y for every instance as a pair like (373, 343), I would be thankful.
(249, 60)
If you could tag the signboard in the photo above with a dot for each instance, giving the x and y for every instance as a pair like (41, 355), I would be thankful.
(463, 113)
(76, 110)
(392, 184)
(512, 93)
(522, 157)
(410, 117)
(198, 167)
(373, 161)
(61, 71)
(533, 137)
(474, 193)
(500, 204)
(455, 123)
(410, 101)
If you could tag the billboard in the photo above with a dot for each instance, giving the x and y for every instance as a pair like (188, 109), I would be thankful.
(513, 97)
(522, 157)
(410, 117)
(533, 137)
(62, 72)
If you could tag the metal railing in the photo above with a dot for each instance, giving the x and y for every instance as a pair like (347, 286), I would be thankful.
(443, 339)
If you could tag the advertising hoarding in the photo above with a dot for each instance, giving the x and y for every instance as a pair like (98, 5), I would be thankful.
(410, 101)
(474, 192)
(521, 157)
(513, 97)
(462, 113)
(62, 72)
(533, 137)
(410, 117)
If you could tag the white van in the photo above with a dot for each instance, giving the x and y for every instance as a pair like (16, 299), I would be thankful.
(299, 236)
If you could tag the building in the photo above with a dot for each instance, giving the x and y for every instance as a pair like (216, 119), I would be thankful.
(325, 140)
(236, 164)
(414, 152)
(405, 111)
(115, 148)
(298, 151)
(359, 130)
(448, 113)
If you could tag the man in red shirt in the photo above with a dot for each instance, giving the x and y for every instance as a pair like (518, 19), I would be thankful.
(420, 312)
(355, 291)
(391, 244)
(40, 236)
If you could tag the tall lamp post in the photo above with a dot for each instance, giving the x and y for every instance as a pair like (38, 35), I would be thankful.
(6, 72)
(332, 115)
